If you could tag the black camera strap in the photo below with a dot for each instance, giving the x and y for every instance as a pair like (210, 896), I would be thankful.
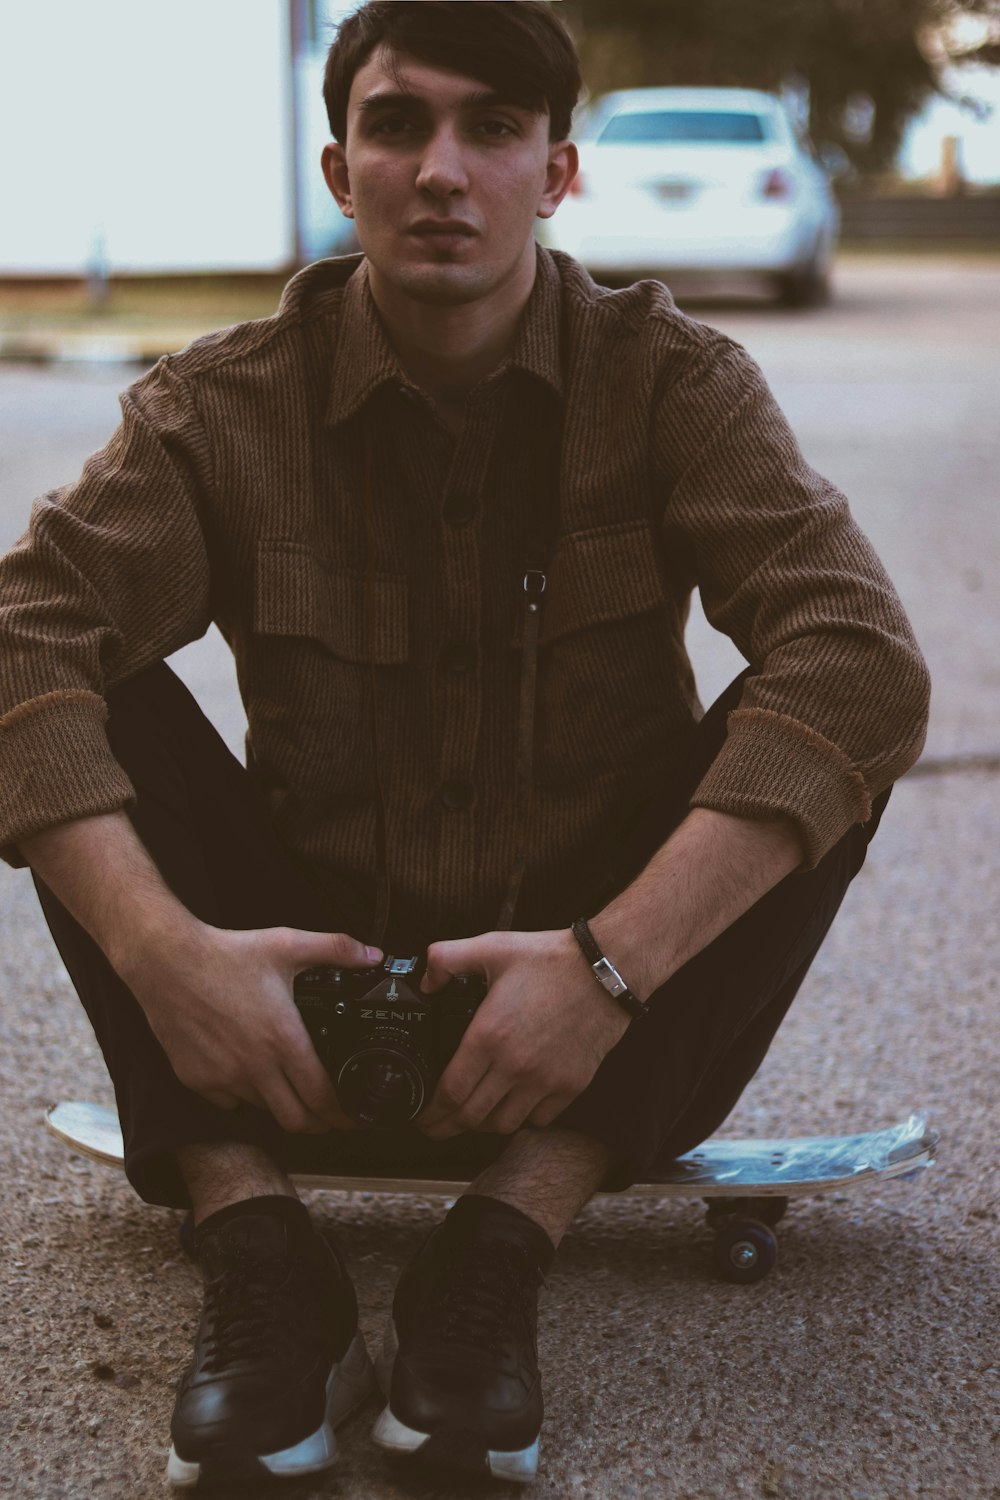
(533, 584)
(383, 889)
(541, 527)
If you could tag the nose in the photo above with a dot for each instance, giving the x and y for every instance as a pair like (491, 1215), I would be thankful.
(442, 168)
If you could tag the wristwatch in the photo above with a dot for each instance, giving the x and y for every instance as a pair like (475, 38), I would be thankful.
(605, 972)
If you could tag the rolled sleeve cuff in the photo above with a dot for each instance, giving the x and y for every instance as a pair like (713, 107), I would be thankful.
(773, 765)
(55, 766)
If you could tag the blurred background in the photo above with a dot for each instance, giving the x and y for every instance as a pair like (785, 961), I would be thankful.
(144, 142)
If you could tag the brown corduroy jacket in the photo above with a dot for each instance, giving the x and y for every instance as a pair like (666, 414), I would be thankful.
(233, 492)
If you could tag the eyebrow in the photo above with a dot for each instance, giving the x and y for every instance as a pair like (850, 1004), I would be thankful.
(481, 99)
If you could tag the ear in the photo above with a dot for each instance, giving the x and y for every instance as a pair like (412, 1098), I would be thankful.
(561, 167)
(337, 177)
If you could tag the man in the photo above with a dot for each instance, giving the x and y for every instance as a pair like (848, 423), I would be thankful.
(447, 507)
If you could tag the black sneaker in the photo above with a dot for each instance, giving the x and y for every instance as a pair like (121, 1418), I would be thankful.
(459, 1363)
(278, 1359)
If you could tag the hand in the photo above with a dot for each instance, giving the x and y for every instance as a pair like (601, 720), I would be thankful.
(536, 1040)
(220, 1004)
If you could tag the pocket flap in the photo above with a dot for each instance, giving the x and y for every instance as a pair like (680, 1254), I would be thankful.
(606, 573)
(296, 594)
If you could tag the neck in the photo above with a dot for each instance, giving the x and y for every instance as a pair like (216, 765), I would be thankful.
(446, 349)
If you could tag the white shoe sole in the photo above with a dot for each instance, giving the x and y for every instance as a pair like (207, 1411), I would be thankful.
(349, 1384)
(459, 1448)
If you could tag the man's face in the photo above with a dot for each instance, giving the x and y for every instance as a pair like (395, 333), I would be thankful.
(444, 181)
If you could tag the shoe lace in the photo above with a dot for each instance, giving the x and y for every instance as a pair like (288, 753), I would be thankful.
(487, 1297)
(246, 1315)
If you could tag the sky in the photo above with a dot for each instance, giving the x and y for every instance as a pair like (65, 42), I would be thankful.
(980, 139)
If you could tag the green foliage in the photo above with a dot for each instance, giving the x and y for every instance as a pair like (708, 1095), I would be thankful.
(869, 65)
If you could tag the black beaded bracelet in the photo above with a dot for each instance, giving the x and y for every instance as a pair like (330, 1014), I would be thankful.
(604, 971)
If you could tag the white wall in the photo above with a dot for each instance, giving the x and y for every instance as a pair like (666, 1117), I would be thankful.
(163, 128)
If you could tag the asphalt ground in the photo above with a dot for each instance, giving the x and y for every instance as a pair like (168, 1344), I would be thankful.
(866, 1366)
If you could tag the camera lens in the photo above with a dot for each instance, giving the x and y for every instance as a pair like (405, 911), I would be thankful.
(387, 1082)
(381, 1087)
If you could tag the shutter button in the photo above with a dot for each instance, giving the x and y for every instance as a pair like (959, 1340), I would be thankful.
(457, 794)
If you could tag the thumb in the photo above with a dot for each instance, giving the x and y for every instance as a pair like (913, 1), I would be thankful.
(308, 948)
(445, 960)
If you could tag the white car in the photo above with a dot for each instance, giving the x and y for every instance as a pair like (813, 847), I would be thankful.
(703, 180)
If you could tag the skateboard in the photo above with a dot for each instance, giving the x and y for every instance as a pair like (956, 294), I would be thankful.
(746, 1185)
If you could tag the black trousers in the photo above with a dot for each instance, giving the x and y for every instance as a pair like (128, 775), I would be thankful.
(668, 1084)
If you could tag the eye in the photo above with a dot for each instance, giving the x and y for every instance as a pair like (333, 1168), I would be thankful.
(393, 125)
(496, 128)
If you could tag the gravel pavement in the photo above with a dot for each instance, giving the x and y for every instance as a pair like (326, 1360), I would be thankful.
(866, 1366)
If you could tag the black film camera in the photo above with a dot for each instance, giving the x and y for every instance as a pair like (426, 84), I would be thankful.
(384, 1044)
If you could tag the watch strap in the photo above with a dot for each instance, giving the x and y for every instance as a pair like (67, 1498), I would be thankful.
(604, 970)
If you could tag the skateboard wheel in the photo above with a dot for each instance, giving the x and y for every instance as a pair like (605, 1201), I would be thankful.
(744, 1251)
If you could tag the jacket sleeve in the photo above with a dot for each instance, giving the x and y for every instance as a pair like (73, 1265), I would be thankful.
(111, 576)
(835, 707)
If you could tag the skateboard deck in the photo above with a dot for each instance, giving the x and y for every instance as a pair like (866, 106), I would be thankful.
(746, 1184)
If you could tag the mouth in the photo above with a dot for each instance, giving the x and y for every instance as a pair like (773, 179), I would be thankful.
(444, 234)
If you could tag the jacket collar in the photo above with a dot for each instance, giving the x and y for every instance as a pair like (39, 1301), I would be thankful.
(365, 361)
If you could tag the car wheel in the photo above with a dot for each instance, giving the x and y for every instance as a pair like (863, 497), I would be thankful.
(806, 286)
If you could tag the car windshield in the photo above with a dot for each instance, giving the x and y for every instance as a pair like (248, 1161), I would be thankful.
(683, 125)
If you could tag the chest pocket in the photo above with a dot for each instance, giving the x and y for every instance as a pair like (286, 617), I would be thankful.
(297, 595)
(609, 573)
(309, 684)
(610, 658)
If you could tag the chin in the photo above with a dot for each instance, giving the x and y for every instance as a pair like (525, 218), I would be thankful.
(444, 284)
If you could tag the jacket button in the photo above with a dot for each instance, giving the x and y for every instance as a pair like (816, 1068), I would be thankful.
(457, 794)
(459, 656)
(458, 510)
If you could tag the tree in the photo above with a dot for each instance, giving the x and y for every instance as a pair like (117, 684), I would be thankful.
(869, 65)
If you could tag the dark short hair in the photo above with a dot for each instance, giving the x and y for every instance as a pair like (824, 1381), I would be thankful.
(518, 47)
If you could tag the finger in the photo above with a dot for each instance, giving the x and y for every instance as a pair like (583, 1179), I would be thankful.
(331, 1113)
(231, 1099)
(486, 1097)
(221, 1099)
(249, 1095)
(302, 1120)
(549, 1110)
(288, 1109)
(310, 1080)
(460, 1079)
(308, 948)
(511, 1112)
(290, 1079)
(445, 960)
